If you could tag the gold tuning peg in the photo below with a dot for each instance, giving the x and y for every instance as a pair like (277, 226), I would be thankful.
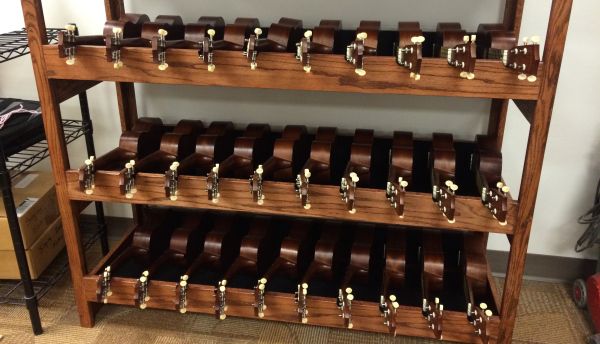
(396, 305)
(525, 40)
(473, 38)
(185, 277)
(348, 290)
(211, 33)
(259, 170)
(505, 189)
(466, 39)
(437, 300)
(360, 72)
(308, 34)
(532, 78)
(522, 77)
(535, 39)
(483, 306)
(350, 297)
(454, 187)
(71, 27)
(117, 30)
(414, 39)
(488, 313)
(258, 32)
(307, 173)
(262, 281)
(449, 183)
(183, 283)
(362, 36)
(499, 185)
(163, 66)
(393, 298)
(163, 33)
(354, 177)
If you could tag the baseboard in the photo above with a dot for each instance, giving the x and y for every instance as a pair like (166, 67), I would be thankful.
(544, 267)
(538, 267)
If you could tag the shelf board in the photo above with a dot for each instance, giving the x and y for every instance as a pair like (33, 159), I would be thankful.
(281, 199)
(283, 71)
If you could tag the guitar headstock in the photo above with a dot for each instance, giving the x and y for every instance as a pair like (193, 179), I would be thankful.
(172, 182)
(113, 47)
(389, 313)
(301, 186)
(159, 49)
(481, 317)
(434, 313)
(103, 292)
(127, 180)
(66, 43)
(212, 184)
(142, 291)
(395, 193)
(303, 51)
(206, 51)
(411, 56)
(525, 58)
(445, 197)
(301, 301)
(251, 51)
(355, 53)
(496, 200)
(86, 176)
(220, 300)
(182, 287)
(464, 57)
(259, 298)
(348, 191)
(346, 306)
(256, 186)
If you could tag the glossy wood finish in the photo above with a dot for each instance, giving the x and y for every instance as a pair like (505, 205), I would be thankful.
(493, 81)
(280, 70)
(281, 199)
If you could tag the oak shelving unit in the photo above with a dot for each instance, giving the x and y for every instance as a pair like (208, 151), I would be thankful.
(56, 82)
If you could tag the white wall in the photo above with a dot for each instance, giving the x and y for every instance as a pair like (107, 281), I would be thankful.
(570, 170)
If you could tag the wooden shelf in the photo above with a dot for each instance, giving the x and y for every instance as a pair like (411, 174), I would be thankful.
(371, 204)
(323, 311)
(283, 71)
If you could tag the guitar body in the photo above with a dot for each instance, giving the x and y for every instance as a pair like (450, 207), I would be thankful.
(401, 157)
(214, 146)
(288, 153)
(395, 261)
(372, 29)
(235, 34)
(432, 265)
(295, 253)
(330, 254)
(360, 258)
(249, 150)
(449, 35)
(323, 39)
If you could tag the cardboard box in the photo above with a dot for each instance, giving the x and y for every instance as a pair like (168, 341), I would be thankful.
(39, 256)
(37, 208)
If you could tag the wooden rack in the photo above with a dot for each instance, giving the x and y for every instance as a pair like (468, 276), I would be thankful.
(57, 82)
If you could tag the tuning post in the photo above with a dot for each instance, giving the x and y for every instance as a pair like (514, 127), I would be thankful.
(182, 294)
(212, 184)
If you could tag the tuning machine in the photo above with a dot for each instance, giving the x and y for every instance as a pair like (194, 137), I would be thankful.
(348, 191)
(172, 182)
(220, 301)
(479, 319)
(66, 43)
(251, 52)
(303, 51)
(87, 176)
(182, 288)
(159, 49)
(114, 42)
(212, 184)
(256, 186)
(259, 298)
(344, 303)
(496, 200)
(104, 288)
(355, 53)
(206, 50)
(445, 198)
(410, 57)
(142, 290)
(388, 311)
(434, 313)
(395, 193)
(301, 186)
(129, 179)
(301, 301)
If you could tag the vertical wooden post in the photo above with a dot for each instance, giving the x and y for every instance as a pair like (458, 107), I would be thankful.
(513, 14)
(36, 31)
(538, 135)
(125, 90)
